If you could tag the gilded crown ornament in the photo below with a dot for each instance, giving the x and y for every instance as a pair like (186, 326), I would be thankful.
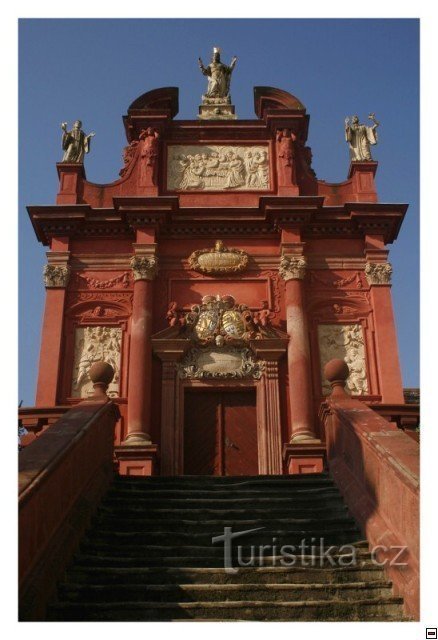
(219, 259)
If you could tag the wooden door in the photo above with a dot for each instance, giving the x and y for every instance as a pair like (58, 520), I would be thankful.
(202, 442)
(220, 433)
(240, 453)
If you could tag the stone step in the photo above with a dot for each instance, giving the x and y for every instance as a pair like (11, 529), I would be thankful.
(383, 608)
(242, 488)
(95, 592)
(193, 528)
(134, 511)
(98, 557)
(139, 542)
(213, 481)
(109, 525)
(316, 490)
(324, 497)
(115, 575)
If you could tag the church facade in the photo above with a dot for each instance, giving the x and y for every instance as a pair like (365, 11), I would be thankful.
(218, 275)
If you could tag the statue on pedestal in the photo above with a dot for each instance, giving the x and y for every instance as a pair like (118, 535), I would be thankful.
(75, 143)
(216, 102)
(219, 75)
(360, 137)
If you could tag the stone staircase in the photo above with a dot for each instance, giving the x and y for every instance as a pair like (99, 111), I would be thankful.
(149, 554)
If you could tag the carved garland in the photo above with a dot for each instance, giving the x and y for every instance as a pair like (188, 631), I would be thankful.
(339, 284)
(124, 281)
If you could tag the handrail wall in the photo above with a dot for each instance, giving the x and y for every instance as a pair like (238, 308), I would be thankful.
(376, 467)
(63, 475)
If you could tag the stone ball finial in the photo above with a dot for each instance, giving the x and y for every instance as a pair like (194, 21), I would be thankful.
(101, 374)
(336, 371)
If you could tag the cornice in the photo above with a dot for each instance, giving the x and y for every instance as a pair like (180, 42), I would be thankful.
(170, 220)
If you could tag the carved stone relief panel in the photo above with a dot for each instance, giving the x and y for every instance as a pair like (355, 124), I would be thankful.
(214, 168)
(344, 341)
(220, 363)
(92, 344)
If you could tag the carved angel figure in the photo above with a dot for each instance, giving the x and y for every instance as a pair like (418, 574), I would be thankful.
(360, 137)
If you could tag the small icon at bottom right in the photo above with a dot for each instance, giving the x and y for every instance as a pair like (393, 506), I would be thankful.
(431, 633)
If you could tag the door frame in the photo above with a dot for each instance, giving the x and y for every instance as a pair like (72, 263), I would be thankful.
(269, 437)
(268, 352)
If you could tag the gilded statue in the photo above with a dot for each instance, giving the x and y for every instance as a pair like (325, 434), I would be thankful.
(360, 137)
(218, 74)
(75, 143)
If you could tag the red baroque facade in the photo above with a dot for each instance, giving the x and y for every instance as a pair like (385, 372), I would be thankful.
(218, 275)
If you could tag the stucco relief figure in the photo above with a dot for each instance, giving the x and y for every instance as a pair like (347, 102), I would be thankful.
(264, 316)
(173, 317)
(235, 176)
(218, 74)
(206, 168)
(75, 143)
(149, 155)
(344, 341)
(285, 151)
(360, 137)
(128, 156)
(93, 344)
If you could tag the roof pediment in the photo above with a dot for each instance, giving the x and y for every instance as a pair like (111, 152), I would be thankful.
(271, 98)
(162, 99)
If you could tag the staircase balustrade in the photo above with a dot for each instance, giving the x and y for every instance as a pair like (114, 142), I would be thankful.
(376, 467)
(63, 475)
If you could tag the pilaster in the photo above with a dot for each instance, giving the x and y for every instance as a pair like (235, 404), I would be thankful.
(56, 275)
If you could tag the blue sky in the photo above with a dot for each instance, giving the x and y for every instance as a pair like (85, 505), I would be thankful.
(93, 69)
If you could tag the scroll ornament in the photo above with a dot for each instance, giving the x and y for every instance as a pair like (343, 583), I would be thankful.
(56, 275)
(292, 267)
(378, 273)
(229, 362)
(144, 267)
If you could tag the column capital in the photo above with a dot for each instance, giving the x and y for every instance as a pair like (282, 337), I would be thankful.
(56, 276)
(144, 267)
(292, 267)
(378, 273)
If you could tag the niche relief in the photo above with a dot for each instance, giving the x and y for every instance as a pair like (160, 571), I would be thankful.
(92, 344)
(213, 168)
(344, 341)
